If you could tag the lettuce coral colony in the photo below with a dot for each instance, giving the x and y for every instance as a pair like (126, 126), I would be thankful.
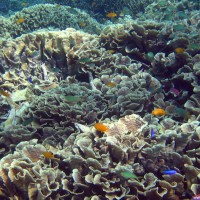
(104, 108)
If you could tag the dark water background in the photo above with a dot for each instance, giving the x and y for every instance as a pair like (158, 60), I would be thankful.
(96, 8)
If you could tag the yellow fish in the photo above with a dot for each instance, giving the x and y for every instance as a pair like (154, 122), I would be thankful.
(24, 4)
(48, 154)
(111, 51)
(111, 84)
(20, 20)
(158, 112)
(101, 127)
(111, 15)
(82, 24)
(4, 93)
(179, 50)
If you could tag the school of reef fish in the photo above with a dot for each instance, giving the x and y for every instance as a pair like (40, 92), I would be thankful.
(97, 111)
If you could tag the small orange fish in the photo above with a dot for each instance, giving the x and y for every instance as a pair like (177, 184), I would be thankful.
(111, 84)
(20, 20)
(179, 50)
(158, 112)
(4, 93)
(48, 154)
(101, 127)
(111, 15)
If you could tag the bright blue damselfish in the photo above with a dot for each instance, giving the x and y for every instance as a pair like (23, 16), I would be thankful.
(152, 133)
(169, 172)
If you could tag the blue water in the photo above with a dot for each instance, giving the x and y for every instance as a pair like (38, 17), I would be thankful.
(96, 9)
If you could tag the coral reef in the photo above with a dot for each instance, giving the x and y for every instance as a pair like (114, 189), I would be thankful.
(161, 10)
(62, 54)
(46, 16)
(125, 162)
(56, 86)
(26, 174)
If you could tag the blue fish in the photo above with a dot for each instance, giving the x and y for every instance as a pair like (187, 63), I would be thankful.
(152, 133)
(169, 172)
(29, 79)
